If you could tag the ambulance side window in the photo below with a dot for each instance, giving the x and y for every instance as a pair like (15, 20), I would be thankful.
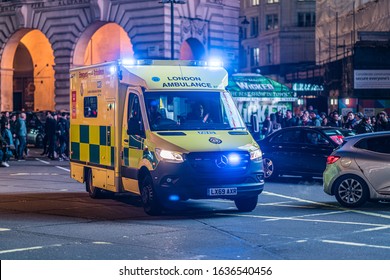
(134, 122)
(90, 107)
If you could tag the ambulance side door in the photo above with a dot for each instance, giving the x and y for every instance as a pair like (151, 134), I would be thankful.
(133, 143)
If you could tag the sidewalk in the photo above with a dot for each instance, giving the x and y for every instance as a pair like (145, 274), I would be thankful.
(34, 154)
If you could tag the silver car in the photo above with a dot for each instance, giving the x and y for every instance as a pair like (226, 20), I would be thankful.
(359, 169)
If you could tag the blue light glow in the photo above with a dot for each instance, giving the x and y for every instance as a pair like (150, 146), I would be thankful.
(234, 159)
(129, 61)
(215, 62)
(173, 197)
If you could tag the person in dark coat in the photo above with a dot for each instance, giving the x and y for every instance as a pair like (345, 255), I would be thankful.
(364, 126)
(51, 123)
(289, 119)
(334, 120)
(382, 122)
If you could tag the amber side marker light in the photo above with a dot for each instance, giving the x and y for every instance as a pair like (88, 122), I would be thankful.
(332, 159)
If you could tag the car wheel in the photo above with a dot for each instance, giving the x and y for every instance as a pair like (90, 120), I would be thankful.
(351, 191)
(246, 204)
(269, 169)
(39, 141)
(93, 191)
(149, 198)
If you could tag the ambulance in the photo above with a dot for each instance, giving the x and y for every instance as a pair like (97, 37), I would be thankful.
(164, 130)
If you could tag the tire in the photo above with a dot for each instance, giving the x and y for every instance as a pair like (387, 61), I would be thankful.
(149, 198)
(351, 191)
(93, 191)
(246, 204)
(39, 141)
(269, 169)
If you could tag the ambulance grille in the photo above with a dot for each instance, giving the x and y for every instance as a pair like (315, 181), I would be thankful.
(230, 163)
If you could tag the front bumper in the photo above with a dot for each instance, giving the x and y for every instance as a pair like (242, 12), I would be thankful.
(181, 181)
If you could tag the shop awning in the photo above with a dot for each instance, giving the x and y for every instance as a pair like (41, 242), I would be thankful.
(250, 85)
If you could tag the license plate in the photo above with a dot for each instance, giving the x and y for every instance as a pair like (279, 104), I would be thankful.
(222, 191)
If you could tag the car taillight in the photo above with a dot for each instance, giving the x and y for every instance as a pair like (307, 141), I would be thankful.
(332, 159)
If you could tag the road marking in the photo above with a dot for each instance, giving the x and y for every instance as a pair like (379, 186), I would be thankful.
(4, 229)
(102, 243)
(355, 244)
(33, 174)
(328, 205)
(43, 161)
(63, 168)
(310, 215)
(28, 249)
(47, 162)
(272, 218)
(371, 229)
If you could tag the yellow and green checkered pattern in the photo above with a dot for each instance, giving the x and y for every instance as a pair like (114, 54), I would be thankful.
(92, 143)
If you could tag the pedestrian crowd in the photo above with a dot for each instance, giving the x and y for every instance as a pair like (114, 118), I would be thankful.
(13, 137)
(356, 122)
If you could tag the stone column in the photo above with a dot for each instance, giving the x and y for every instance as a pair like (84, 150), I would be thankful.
(6, 89)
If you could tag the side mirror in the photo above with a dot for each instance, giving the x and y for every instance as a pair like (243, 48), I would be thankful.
(255, 123)
(170, 108)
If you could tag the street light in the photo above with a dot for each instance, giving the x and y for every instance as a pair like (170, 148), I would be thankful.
(242, 36)
(245, 22)
(172, 25)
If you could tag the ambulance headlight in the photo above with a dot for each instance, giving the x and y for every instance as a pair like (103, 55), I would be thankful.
(169, 155)
(256, 155)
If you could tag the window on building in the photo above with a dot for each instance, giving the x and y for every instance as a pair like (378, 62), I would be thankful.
(255, 2)
(272, 22)
(90, 107)
(255, 57)
(269, 54)
(272, 1)
(306, 19)
(254, 29)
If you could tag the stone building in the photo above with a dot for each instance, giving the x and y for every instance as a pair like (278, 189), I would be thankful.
(41, 40)
(278, 37)
(352, 45)
(278, 40)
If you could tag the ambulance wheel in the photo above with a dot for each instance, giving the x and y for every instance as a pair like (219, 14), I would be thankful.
(149, 198)
(246, 204)
(93, 191)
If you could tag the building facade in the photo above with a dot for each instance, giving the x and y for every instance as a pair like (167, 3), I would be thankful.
(352, 45)
(278, 40)
(41, 40)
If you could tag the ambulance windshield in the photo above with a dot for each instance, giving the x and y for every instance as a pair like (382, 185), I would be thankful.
(188, 110)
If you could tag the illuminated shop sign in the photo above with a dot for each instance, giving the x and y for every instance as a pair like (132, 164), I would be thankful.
(307, 87)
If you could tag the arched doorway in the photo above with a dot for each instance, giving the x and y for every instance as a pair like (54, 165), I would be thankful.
(102, 42)
(23, 96)
(192, 49)
(27, 74)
